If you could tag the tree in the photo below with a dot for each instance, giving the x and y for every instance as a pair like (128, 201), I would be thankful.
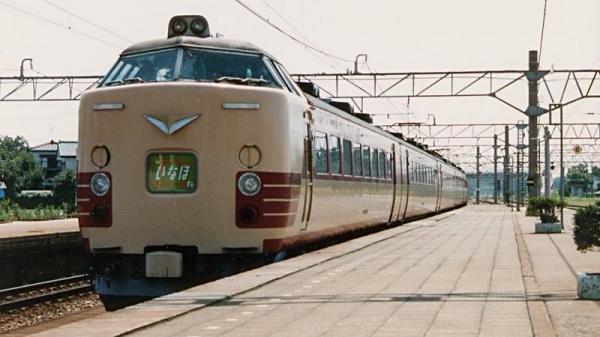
(65, 186)
(18, 168)
(579, 176)
(595, 171)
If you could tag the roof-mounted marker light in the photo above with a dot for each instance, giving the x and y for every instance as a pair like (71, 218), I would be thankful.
(189, 25)
(179, 26)
(198, 26)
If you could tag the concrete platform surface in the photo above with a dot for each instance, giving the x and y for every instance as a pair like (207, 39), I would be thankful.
(29, 228)
(477, 271)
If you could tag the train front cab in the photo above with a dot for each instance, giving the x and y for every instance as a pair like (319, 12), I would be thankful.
(161, 167)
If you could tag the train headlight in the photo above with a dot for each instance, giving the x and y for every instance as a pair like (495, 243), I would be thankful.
(100, 184)
(198, 26)
(249, 184)
(179, 26)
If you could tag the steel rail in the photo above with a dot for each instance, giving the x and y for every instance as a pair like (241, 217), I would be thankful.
(39, 298)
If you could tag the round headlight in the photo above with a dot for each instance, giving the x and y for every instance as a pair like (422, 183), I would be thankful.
(198, 26)
(100, 184)
(179, 26)
(249, 184)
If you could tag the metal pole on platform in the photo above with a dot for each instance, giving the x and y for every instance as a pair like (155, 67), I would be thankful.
(510, 189)
(495, 169)
(562, 171)
(506, 163)
(547, 162)
(533, 190)
(478, 176)
(519, 185)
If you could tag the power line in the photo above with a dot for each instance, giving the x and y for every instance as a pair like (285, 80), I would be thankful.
(331, 65)
(88, 21)
(60, 25)
(542, 33)
(289, 35)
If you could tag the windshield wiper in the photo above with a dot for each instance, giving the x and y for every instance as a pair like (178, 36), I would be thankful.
(244, 81)
(126, 81)
(134, 80)
(111, 83)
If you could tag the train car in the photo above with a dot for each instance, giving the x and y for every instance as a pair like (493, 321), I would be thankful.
(195, 151)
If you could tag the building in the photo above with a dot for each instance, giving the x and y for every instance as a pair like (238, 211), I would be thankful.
(55, 157)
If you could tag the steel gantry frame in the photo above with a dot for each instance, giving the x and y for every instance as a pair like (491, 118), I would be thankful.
(45, 88)
(563, 87)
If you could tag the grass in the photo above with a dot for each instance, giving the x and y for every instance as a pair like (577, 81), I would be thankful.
(15, 213)
(580, 201)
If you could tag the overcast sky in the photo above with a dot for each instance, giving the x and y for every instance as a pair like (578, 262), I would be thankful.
(399, 35)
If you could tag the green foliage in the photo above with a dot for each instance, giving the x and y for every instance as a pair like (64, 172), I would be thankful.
(530, 211)
(578, 176)
(18, 168)
(546, 208)
(586, 232)
(65, 187)
(596, 171)
(10, 211)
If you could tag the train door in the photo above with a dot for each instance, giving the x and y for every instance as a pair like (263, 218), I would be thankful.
(307, 171)
(404, 184)
(440, 182)
(397, 196)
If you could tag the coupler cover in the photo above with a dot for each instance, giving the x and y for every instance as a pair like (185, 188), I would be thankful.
(164, 264)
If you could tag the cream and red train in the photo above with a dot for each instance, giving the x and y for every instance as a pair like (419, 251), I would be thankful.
(196, 149)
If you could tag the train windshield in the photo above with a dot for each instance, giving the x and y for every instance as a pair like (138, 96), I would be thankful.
(190, 64)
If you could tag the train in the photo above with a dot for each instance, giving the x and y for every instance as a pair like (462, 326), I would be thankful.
(196, 151)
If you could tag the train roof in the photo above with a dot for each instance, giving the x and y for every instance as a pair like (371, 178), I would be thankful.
(328, 107)
(192, 41)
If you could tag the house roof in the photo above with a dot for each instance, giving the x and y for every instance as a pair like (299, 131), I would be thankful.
(46, 147)
(64, 148)
(67, 148)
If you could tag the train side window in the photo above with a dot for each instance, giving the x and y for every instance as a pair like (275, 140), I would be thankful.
(381, 164)
(336, 155)
(356, 160)
(321, 160)
(347, 155)
(388, 165)
(374, 162)
(367, 161)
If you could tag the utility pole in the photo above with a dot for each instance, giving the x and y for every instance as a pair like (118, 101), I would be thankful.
(519, 185)
(547, 162)
(533, 111)
(506, 164)
(495, 169)
(478, 176)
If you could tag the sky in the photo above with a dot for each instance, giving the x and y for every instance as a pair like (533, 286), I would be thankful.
(399, 35)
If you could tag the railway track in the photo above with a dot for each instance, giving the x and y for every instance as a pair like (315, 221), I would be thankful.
(31, 294)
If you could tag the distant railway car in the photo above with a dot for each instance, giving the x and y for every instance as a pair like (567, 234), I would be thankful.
(194, 149)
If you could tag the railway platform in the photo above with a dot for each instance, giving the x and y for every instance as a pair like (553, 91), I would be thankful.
(476, 271)
(18, 229)
(35, 251)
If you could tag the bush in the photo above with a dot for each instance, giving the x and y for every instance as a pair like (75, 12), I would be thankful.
(11, 212)
(546, 208)
(586, 232)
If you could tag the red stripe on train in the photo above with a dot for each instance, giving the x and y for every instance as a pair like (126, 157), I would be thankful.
(89, 205)
(274, 206)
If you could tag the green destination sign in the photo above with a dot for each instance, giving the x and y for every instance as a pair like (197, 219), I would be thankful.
(171, 173)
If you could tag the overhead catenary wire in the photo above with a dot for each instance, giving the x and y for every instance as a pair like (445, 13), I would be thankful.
(88, 21)
(292, 37)
(39, 17)
(317, 55)
(542, 31)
